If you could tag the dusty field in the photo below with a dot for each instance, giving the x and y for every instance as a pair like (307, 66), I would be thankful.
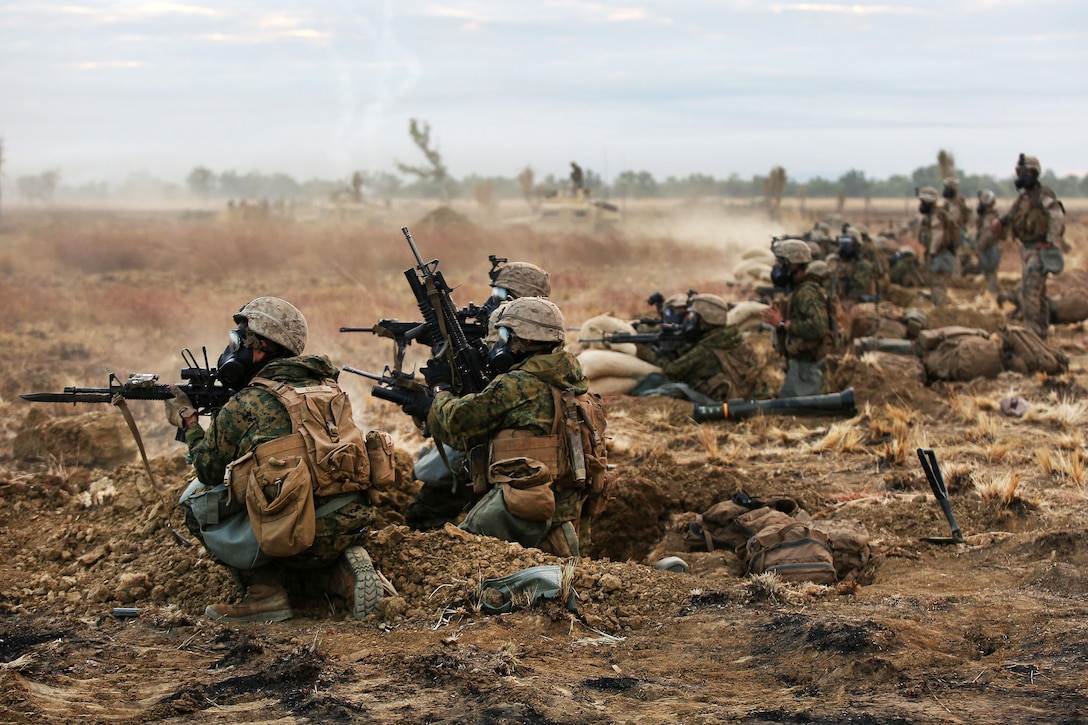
(990, 631)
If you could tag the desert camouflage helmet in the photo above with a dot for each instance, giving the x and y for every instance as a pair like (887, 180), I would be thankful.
(533, 318)
(818, 270)
(678, 301)
(952, 181)
(822, 227)
(1029, 162)
(908, 252)
(793, 251)
(712, 309)
(522, 279)
(987, 197)
(930, 194)
(276, 320)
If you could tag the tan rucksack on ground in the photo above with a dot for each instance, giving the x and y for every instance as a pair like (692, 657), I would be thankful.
(1025, 353)
(729, 524)
(964, 358)
(794, 550)
(849, 546)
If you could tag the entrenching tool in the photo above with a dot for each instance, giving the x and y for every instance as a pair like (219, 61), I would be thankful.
(940, 491)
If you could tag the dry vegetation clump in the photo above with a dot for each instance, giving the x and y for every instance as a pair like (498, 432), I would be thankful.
(842, 437)
(1001, 489)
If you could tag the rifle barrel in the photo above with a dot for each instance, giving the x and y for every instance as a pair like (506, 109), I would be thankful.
(364, 373)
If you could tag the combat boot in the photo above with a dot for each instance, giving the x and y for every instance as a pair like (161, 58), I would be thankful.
(354, 579)
(262, 603)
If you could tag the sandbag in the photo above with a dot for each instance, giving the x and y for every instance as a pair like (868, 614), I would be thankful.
(760, 253)
(745, 315)
(595, 327)
(965, 358)
(614, 364)
(612, 385)
(753, 270)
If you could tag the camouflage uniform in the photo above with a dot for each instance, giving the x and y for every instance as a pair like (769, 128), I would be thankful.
(252, 417)
(521, 400)
(939, 237)
(1037, 220)
(907, 271)
(988, 247)
(854, 279)
(721, 365)
(807, 341)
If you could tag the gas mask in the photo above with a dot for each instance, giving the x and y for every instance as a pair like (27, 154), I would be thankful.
(501, 357)
(674, 315)
(781, 275)
(949, 193)
(848, 248)
(925, 207)
(982, 208)
(236, 367)
(1025, 180)
(691, 329)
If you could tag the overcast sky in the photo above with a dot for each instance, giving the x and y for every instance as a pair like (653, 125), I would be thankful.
(100, 89)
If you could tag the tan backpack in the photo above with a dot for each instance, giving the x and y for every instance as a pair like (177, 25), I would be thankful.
(849, 545)
(326, 455)
(964, 358)
(794, 550)
(1025, 353)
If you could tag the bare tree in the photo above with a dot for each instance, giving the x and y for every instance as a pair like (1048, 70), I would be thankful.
(946, 162)
(435, 171)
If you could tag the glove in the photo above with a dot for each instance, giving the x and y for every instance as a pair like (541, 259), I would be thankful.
(419, 406)
(179, 408)
(436, 372)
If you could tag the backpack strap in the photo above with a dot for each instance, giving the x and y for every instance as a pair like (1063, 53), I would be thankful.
(292, 398)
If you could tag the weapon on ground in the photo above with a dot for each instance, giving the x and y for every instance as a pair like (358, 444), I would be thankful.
(940, 491)
(841, 403)
(442, 323)
(204, 391)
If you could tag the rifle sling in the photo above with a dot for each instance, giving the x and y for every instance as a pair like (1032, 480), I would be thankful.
(121, 403)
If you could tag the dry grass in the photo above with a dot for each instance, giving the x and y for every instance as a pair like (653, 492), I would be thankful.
(844, 437)
(1072, 466)
(998, 488)
(1062, 414)
(708, 438)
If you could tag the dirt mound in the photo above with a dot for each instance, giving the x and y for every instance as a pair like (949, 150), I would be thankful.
(444, 218)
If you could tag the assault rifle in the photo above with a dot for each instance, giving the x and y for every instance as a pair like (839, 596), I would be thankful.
(740, 409)
(203, 389)
(454, 334)
(666, 337)
(442, 324)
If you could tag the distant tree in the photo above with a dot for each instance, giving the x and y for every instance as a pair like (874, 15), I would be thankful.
(854, 183)
(201, 182)
(776, 184)
(39, 188)
(946, 163)
(639, 185)
(435, 171)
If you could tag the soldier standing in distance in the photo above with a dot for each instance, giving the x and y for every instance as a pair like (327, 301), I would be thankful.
(987, 240)
(1037, 220)
(577, 179)
(939, 237)
(801, 322)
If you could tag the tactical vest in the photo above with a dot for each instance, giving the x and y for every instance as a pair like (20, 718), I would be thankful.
(573, 452)
(1030, 217)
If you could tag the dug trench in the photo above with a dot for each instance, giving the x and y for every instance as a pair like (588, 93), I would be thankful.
(991, 630)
